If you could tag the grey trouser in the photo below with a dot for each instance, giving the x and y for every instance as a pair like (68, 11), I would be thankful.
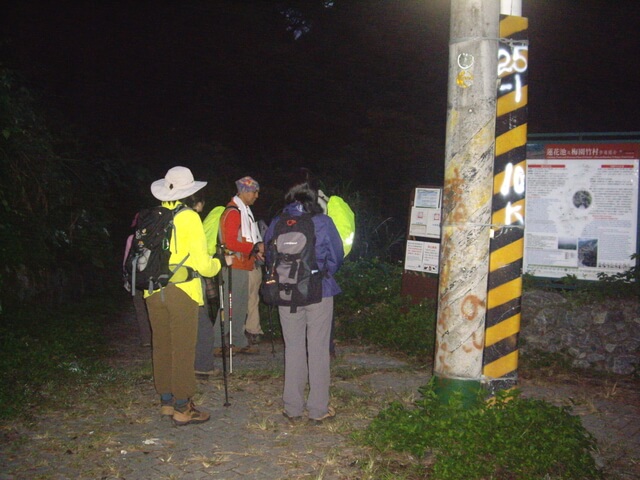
(206, 334)
(306, 339)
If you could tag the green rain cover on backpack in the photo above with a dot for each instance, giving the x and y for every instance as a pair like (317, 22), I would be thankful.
(344, 219)
(211, 226)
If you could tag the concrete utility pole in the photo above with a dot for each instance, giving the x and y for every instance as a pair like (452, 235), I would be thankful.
(468, 190)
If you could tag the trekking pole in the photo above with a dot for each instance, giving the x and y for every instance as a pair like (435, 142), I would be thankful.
(224, 361)
(230, 322)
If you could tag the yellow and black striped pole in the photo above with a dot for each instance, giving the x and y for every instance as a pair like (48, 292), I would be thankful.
(504, 294)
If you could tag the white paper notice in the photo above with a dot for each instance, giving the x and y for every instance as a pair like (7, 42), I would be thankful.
(425, 222)
(427, 198)
(422, 256)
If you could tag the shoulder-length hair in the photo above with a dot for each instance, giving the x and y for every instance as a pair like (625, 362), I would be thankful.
(303, 189)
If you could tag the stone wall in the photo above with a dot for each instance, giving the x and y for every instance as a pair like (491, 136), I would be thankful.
(603, 336)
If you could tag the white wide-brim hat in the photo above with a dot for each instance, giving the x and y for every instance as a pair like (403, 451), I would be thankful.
(177, 184)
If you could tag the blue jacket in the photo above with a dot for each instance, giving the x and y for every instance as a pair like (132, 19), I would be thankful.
(329, 250)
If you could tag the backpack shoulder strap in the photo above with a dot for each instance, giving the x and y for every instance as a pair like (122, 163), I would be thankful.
(223, 217)
(180, 208)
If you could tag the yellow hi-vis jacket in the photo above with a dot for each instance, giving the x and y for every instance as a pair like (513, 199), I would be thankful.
(189, 241)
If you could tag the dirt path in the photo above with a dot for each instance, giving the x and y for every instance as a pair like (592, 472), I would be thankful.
(121, 436)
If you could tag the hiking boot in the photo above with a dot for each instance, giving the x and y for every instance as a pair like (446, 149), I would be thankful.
(249, 349)
(166, 408)
(292, 420)
(253, 338)
(331, 413)
(189, 414)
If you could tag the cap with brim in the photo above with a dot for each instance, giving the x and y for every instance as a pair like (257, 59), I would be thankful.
(177, 184)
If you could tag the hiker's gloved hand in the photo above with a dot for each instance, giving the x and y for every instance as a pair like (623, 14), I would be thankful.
(258, 253)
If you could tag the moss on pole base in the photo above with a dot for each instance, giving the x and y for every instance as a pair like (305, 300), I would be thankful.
(467, 389)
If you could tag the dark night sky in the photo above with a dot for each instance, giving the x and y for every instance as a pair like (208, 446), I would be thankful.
(162, 76)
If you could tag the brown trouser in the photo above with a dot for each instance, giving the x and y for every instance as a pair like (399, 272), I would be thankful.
(252, 325)
(174, 324)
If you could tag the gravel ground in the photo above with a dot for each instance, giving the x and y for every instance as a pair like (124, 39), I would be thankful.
(250, 439)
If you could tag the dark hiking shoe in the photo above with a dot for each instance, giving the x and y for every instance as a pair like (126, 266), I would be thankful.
(253, 338)
(292, 420)
(331, 413)
(189, 414)
(249, 349)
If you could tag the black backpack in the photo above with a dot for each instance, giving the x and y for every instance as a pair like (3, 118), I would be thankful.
(293, 278)
(147, 264)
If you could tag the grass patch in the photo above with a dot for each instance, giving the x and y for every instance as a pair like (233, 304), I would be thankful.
(509, 438)
(372, 311)
(257, 375)
(345, 372)
(55, 356)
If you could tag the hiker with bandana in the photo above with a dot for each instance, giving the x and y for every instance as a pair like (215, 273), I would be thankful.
(240, 235)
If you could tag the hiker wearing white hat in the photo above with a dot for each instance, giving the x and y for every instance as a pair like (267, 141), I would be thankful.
(173, 310)
(177, 184)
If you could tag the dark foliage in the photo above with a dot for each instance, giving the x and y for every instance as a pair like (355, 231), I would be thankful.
(57, 200)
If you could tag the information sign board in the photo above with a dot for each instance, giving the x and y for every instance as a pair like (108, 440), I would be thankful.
(581, 210)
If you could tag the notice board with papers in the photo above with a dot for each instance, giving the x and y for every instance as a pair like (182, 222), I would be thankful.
(422, 249)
